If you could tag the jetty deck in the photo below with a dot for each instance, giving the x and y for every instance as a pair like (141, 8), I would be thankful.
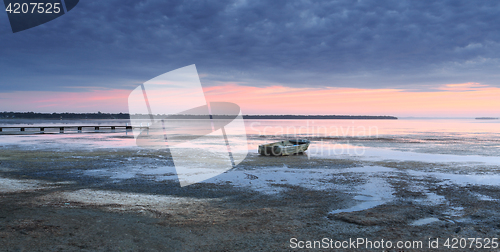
(80, 128)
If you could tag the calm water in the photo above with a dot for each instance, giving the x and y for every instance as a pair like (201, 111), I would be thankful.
(462, 137)
(438, 136)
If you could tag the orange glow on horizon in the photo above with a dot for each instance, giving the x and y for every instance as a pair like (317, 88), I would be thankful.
(467, 99)
(461, 100)
(110, 101)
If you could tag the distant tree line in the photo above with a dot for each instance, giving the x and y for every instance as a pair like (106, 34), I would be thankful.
(99, 115)
(314, 117)
(33, 115)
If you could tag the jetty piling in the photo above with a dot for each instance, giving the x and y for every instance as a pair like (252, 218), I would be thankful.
(62, 129)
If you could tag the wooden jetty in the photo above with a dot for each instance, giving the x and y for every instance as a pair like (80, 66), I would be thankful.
(63, 128)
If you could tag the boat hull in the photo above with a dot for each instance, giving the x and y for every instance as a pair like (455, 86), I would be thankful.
(284, 148)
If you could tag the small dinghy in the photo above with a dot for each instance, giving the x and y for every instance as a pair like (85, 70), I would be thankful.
(284, 148)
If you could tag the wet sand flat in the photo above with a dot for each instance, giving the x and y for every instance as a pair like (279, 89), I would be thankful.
(129, 200)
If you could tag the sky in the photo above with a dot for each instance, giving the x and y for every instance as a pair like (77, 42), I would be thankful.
(401, 58)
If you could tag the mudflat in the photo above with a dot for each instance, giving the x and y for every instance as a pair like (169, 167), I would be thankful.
(118, 200)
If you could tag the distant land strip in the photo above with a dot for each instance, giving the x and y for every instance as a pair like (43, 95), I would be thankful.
(486, 118)
(99, 115)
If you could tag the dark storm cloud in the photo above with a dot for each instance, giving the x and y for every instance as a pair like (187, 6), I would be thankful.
(375, 44)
